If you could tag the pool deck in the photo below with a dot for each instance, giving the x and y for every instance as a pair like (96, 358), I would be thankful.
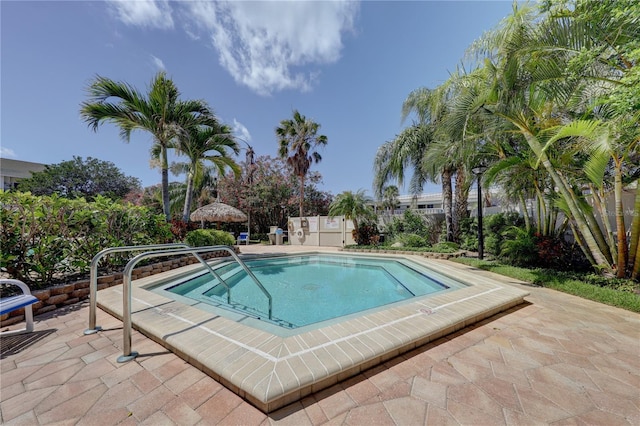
(556, 359)
(271, 370)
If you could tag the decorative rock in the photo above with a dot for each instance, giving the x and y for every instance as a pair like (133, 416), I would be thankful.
(41, 294)
(47, 309)
(106, 279)
(81, 284)
(63, 289)
(81, 292)
(54, 300)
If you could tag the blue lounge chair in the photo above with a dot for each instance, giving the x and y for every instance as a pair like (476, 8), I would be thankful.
(12, 303)
(243, 238)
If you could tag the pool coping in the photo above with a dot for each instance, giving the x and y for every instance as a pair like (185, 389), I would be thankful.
(271, 371)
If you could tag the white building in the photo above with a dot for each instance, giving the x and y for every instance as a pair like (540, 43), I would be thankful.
(432, 204)
(12, 171)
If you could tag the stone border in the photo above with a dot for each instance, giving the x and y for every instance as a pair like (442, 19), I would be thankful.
(67, 294)
(427, 254)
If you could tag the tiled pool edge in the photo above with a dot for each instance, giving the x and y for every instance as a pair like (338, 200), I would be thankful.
(271, 372)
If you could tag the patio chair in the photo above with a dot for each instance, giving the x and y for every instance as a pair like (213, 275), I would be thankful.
(243, 237)
(12, 303)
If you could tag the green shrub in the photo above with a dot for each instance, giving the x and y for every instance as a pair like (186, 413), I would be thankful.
(412, 240)
(222, 238)
(259, 236)
(411, 222)
(494, 227)
(199, 238)
(445, 247)
(469, 234)
(519, 247)
(209, 237)
(46, 238)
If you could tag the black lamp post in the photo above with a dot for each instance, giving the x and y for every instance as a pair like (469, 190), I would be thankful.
(478, 171)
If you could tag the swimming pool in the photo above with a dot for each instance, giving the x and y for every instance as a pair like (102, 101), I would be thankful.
(272, 366)
(308, 289)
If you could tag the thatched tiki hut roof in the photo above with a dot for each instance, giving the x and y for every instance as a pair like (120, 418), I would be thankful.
(218, 212)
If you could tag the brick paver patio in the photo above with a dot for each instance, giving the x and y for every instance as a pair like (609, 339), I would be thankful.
(557, 359)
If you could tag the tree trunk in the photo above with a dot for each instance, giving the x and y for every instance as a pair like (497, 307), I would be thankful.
(620, 228)
(461, 209)
(186, 211)
(525, 212)
(165, 185)
(301, 196)
(447, 203)
(634, 243)
(581, 222)
(600, 205)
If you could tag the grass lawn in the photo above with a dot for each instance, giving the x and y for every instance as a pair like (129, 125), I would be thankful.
(614, 292)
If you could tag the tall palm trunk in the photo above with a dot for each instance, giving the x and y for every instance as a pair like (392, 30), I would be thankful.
(188, 199)
(301, 203)
(634, 243)
(165, 184)
(525, 212)
(620, 228)
(601, 206)
(581, 222)
(447, 202)
(592, 239)
(461, 202)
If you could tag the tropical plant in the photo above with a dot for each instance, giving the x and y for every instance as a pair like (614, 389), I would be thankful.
(202, 145)
(390, 196)
(298, 138)
(557, 77)
(159, 112)
(353, 206)
(44, 238)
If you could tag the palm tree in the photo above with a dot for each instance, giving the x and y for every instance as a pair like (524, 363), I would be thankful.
(353, 206)
(159, 112)
(201, 145)
(390, 200)
(298, 140)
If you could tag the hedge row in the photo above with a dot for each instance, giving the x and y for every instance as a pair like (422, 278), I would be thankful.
(44, 239)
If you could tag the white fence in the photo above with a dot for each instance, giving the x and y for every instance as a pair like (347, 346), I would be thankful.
(320, 231)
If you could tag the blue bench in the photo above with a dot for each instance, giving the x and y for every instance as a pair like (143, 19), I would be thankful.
(12, 303)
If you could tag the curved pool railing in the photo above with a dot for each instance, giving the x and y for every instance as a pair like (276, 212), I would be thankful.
(128, 354)
(93, 276)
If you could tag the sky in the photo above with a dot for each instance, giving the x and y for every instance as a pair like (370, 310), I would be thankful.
(346, 65)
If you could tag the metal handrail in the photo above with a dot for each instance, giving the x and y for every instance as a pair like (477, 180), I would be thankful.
(93, 277)
(128, 354)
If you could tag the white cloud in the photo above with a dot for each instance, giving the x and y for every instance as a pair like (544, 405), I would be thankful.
(158, 63)
(241, 131)
(266, 46)
(144, 13)
(260, 43)
(7, 152)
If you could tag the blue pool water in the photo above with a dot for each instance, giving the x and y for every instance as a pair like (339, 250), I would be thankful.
(311, 288)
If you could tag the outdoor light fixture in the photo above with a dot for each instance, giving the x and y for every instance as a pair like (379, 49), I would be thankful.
(478, 171)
